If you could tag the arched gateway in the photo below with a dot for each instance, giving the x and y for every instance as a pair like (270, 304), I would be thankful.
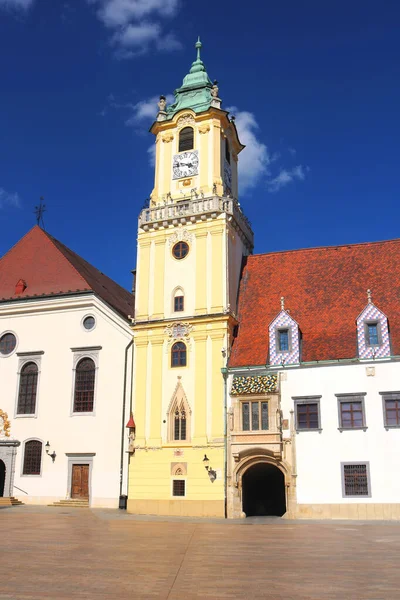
(263, 491)
(2, 477)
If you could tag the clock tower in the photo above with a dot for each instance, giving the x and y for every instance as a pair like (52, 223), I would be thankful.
(191, 242)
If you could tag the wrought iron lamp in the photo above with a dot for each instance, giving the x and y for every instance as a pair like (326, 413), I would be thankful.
(53, 454)
(211, 472)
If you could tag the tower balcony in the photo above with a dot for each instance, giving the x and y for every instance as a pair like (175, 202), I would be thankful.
(193, 210)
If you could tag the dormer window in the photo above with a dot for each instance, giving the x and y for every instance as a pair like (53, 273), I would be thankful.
(283, 340)
(372, 332)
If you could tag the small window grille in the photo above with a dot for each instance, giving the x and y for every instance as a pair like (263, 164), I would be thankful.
(84, 385)
(186, 138)
(32, 458)
(27, 389)
(355, 480)
(178, 303)
(178, 487)
(178, 355)
(283, 340)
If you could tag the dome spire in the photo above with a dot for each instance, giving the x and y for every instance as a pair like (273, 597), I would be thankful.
(198, 45)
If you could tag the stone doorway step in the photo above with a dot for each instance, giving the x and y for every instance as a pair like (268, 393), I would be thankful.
(71, 503)
(10, 501)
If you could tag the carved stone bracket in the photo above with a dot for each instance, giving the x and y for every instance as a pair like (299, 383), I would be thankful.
(185, 120)
(167, 137)
(204, 128)
(180, 235)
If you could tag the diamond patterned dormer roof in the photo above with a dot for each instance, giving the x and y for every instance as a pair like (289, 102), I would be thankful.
(195, 92)
(291, 356)
(372, 315)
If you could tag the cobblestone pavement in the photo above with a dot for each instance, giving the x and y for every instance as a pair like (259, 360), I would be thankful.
(55, 553)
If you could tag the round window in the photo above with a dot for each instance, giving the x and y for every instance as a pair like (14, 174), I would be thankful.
(8, 341)
(180, 250)
(89, 323)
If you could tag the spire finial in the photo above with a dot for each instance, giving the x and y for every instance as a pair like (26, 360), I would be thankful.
(369, 295)
(198, 45)
(282, 302)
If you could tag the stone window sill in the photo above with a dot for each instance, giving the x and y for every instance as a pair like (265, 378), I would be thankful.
(352, 429)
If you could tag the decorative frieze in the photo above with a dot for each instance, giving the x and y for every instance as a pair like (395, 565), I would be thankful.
(178, 331)
(180, 235)
(185, 120)
(256, 384)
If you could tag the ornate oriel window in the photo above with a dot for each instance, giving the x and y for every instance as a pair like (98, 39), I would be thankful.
(186, 139)
(255, 416)
(178, 355)
(28, 381)
(32, 457)
(84, 385)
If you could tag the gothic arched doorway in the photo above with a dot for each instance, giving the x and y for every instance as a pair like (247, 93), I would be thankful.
(2, 477)
(263, 489)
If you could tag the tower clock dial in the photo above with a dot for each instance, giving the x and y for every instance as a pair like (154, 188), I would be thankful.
(185, 164)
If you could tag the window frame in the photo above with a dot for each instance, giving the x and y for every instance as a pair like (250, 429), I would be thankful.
(83, 322)
(23, 359)
(185, 128)
(378, 330)
(180, 243)
(277, 332)
(78, 354)
(356, 463)
(181, 299)
(385, 397)
(181, 479)
(181, 366)
(259, 402)
(2, 334)
(22, 474)
(301, 400)
(348, 398)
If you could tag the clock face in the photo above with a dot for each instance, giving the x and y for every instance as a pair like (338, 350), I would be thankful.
(228, 175)
(185, 164)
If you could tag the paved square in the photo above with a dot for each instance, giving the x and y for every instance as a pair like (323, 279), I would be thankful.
(94, 554)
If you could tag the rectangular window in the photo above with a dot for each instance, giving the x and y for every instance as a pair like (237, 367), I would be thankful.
(283, 340)
(372, 334)
(307, 414)
(391, 409)
(351, 412)
(178, 303)
(255, 416)
(355, 479)
(178, 487)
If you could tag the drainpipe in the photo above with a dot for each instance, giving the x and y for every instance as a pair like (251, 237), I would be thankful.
(121, 468)
(224, 372)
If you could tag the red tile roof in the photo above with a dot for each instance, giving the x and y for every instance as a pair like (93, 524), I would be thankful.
(48, 268)
(325, 290)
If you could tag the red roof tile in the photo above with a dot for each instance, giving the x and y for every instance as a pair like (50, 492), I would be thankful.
(47, 268)
(325, 290)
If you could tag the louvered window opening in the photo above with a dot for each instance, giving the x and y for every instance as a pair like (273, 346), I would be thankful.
(180, 424)
(186, 138)
(32, 458)
(178, 303)
(355, 480)
(227, 152)
(178, 487)
(392, 410)
(255, 416)
(307, 416)
(84, 385)
(351, 415)
(27, 389)
(178, 355)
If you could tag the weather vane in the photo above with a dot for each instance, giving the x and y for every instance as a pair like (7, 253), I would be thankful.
(39, 211)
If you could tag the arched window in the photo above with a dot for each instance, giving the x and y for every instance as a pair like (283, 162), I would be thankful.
(178, 355)
(180, 422)
(179, 300)
(28, 380)
(227, 151)
(186, 136)
(32, 458)
(84, 385)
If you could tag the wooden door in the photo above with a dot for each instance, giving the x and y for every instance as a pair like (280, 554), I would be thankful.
(80, 481)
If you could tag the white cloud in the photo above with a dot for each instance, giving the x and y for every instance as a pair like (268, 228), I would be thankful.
(151, 151)
(286, 176)
(137, 25)
(256, 162)
(18, 4)
(145, 110)
(9, 199)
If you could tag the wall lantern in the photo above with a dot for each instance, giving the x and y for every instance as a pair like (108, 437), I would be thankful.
(211, 472)
(53, 454)
(131, 425)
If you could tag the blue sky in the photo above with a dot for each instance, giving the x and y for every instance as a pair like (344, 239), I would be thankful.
(315, 87)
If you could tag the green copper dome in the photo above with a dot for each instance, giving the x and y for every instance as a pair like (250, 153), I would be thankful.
(195, 92)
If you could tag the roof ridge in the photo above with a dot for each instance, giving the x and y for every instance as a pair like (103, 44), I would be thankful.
(311, 248)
